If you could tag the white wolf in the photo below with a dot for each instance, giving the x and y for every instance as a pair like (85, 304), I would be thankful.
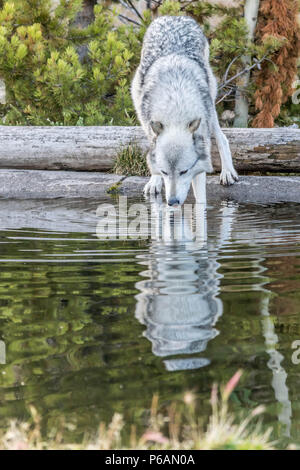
(174, 92)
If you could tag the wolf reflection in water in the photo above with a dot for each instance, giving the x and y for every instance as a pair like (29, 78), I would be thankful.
(179, 301)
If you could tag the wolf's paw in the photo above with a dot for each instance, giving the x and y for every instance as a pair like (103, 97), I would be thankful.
(228, 177)
(154, 186)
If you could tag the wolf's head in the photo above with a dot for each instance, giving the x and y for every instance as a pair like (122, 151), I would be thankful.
(180, 152)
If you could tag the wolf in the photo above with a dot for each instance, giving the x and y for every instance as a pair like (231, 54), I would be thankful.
(174, 92)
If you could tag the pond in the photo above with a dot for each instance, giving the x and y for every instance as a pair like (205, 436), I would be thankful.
(91, 325)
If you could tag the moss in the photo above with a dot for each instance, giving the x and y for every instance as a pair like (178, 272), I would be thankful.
(131, 161)
(115, 188)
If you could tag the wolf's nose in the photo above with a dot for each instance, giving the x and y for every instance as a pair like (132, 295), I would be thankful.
(173, 202)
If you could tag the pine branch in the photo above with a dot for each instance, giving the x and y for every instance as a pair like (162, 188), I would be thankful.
(123, 17)
(134, 9)
(228, 93)
(257, 64)
(229, 67)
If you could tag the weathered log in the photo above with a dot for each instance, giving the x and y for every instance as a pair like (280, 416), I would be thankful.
(23, 185)
(54, 207)
(95, 148)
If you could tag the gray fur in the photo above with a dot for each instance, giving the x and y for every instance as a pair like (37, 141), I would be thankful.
(174, 86)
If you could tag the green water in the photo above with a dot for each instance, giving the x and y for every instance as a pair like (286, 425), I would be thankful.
(94, 326)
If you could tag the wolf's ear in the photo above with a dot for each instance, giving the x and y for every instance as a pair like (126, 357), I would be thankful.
(193, 125)
(157, 127)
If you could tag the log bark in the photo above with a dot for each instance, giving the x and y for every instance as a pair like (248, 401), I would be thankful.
(23, 185)
(95, 148)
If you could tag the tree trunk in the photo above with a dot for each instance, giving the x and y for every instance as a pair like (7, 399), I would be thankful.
(241, 100)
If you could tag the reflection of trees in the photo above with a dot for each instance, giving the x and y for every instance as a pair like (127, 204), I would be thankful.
(266, 255)
(181, 279)
(279, 374)
(52, 319)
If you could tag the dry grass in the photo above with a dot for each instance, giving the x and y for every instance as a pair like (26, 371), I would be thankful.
(179, 428)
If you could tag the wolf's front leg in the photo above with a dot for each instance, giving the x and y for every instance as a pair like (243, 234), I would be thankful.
(154, 186)
(228, 174)
(199, 187)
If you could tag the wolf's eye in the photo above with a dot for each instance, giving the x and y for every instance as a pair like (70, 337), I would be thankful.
(164, 173)
(183, 172)
(157, 127)
(193, 125)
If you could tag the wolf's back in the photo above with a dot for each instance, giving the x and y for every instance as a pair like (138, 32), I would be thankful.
(179, 35)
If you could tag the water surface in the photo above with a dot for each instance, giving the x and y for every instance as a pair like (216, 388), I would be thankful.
(92, 326)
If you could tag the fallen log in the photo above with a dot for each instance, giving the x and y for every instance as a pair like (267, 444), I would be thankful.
(95, 148)
(63, 201)
(24, 185)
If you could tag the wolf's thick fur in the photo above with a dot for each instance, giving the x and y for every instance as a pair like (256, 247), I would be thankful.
(174, 92)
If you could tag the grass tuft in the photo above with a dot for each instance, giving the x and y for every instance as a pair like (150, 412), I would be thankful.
(131, 161)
